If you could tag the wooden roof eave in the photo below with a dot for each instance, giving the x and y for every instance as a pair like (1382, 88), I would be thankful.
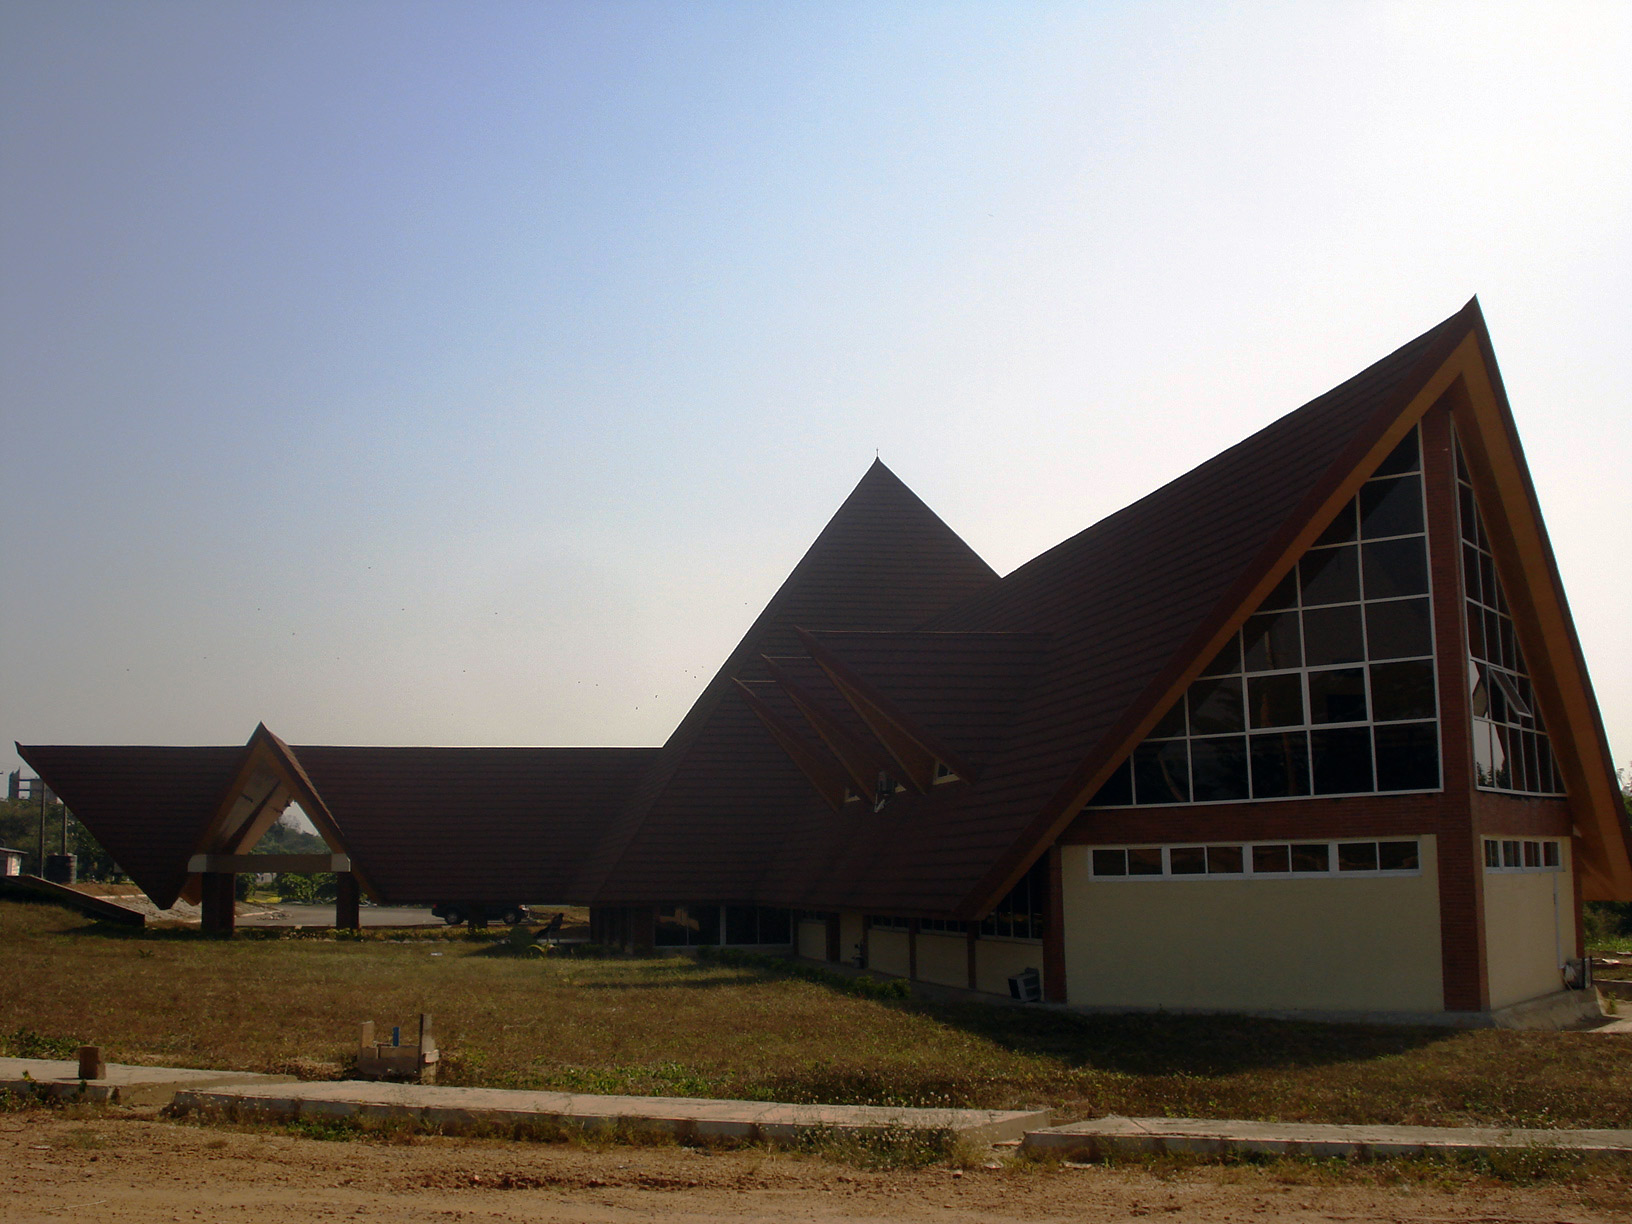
(829, 783)
(1451, 358)
(1528, 570)
(906, 741)
(860, 762)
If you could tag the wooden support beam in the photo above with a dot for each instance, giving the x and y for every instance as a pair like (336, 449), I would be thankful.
(251, 863)
(220, 916)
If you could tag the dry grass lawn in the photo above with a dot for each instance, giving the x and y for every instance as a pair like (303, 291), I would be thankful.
(678, 1027)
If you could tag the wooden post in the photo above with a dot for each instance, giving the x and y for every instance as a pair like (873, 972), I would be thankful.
(220, 916)
(347, 902)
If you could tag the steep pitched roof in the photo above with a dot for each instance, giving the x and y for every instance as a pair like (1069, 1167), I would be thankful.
(884, 561)
(147, 806)
(471, 824)
(1133, 607)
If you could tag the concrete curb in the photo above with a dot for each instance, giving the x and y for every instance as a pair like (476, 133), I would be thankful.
(121, 1083)
(466, 1110)
(1115, 1136)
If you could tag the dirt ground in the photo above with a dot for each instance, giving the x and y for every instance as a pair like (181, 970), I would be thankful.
(125, 1166)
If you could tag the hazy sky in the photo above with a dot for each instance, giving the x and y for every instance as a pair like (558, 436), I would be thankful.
(473, 373)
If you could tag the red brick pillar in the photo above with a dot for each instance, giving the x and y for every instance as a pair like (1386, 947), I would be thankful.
(1461, 861)
(347, 902)
(220, 906)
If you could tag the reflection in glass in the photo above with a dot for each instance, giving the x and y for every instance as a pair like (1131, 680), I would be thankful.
(1272, 641)
(1340, 760)
(1276, 701)
(1333, 635)
(1337, 696)
(1280, 765)
(1218, 768)
(1391, 508)
(1215, 706)
(1161, 772)
(1395, 567)
(1330, 575)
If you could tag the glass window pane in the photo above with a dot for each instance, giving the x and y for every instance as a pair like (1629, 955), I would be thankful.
(1272, 641)
(1171, 723)
(671, 927)
(1276, 701)
(1330, 575)
(1357, 856)
(1340, 760)
(1110, 862)
(1344, 527)
(1118, 788)
(1470, 571)
(1161, 773)
(1333, 635)
(1476, 633)
(1224, 860)
(1493, 853)
(1532, 854)
(1145, 861)
(1391, 508)
(1311, 856)
(1485, 752)
(1510, 854)
(1280, 765)
(1407, 756)
(1469, 516)
(1187, 860)
(1285, 594)
(1271, 859)
(1397, 856)
(1227, 660)
(1403, 458)
(775, 926)
(1337, 696)
(1402, 690)
(1395, 567)
(1215, 706)
(707, 930)
(1218, 769)
(741, 924)
(1549, 854)
(1399, 629)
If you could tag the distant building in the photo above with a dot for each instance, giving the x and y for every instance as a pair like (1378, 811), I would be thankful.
(11, 862)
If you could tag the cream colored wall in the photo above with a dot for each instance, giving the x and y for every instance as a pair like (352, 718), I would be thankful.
(1341, 943)
(887, 951)
(851, 927)
(813, 940)
(1529, 931)
(997, 960)
(943, 958)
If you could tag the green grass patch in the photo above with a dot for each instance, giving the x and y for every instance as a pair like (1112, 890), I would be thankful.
(757, 1028)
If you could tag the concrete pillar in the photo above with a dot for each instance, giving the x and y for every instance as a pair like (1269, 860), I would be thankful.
(347, 902)
(220, 906)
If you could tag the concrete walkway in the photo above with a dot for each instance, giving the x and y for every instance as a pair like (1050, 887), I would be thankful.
(1115, 1136)
(455, 1110)
(121, 1084)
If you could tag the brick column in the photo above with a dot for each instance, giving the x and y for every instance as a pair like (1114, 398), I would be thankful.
(220, 906)
(347, 902)
(1461, 859)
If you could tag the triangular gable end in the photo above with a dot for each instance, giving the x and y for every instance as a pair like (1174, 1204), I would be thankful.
(1528, 572)
(1460, 357)
(267, 780)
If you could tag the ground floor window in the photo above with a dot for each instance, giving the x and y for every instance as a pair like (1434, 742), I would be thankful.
(1513, 854)
(1264, 859)
(692, 926)
(1023, 914)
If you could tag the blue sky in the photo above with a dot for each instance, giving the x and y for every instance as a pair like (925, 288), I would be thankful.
(465, 374)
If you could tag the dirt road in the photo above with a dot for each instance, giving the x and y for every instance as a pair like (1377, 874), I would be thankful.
(123, 1168)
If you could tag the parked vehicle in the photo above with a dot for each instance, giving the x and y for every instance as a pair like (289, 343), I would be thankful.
(479, 913)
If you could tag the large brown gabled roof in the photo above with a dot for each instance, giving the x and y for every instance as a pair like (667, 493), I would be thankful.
(472, 824)
(1130, 605)
(884, 561)
(146, 806)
